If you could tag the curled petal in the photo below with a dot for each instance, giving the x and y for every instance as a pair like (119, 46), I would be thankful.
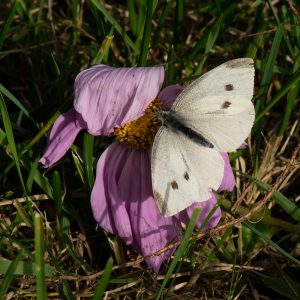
(122, 203)
(61, 137)
(169, 94)
(109, 97)
(205, 208)
(107, 201)
(228, 181)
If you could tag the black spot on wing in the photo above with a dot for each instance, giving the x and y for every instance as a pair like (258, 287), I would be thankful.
(186, 176)
(174, 185)
(228, 87)
(226, 104)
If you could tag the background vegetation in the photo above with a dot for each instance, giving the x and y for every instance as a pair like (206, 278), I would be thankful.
(50, 247)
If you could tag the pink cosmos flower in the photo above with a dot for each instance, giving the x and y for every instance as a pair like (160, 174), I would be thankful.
(122, 201)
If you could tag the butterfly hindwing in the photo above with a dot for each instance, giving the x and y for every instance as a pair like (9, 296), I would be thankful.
(183, 172)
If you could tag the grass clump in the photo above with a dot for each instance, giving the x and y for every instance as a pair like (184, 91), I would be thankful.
(50, 245)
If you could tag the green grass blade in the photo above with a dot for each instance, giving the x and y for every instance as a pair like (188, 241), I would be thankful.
(88, 159)
(11, 139)
(219, 243)
(7, 22)
(103, 52)
(279, 22)
(41, 180)
(266, 79)
(179, 22)
(14, 100)
(22, 213)
(57, 193)
(77, 259)
(31, 175)
(284, 285)
(286, 204)
(146, 36)
(67, 292)
(211, 40)
(39, 257)
(24, 268)
(36, 139)
(180, 251)
(104, 280)
(265, 218)
(78, 163)
(271, 243)
(268, 70)
(289, 84)
(39, 17)
(3, 140)
(162, 19)
(170, 72)
(259, 25)
(55, 65)
(132, 16)
(292, 96)
(9, 276)
(116, 25)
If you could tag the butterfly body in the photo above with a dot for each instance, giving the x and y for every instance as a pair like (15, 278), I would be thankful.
(213, 114)
(173, 121)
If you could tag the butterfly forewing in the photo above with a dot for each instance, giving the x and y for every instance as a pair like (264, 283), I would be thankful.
(218, 104)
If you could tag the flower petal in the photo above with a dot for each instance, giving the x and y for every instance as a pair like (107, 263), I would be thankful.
(169, 94)
(205, 207)
(123, 204)
(228, 182)
(109, 97)
(107, 201)
(61, 137)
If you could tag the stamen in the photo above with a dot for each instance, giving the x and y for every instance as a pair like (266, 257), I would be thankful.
(139, 134)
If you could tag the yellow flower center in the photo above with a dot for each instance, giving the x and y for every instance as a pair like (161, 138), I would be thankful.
(139, 134)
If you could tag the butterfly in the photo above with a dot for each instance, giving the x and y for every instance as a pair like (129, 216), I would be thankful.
(213, 114)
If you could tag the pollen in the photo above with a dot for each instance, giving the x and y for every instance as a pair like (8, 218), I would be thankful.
(139, 134)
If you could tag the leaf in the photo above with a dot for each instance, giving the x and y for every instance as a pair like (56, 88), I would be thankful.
(104, 280)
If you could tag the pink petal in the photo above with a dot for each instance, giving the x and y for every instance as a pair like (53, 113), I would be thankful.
(61, 137)
(228, 182)
(107, 198)
(169, 94)
(123, 204)
(110, 97)
(151, 230)
(206, 207)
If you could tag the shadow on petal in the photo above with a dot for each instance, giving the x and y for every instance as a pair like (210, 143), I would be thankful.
(228, 181)
(206, 207)
(169, 94)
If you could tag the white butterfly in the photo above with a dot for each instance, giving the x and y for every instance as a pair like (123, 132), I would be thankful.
(213, 114)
